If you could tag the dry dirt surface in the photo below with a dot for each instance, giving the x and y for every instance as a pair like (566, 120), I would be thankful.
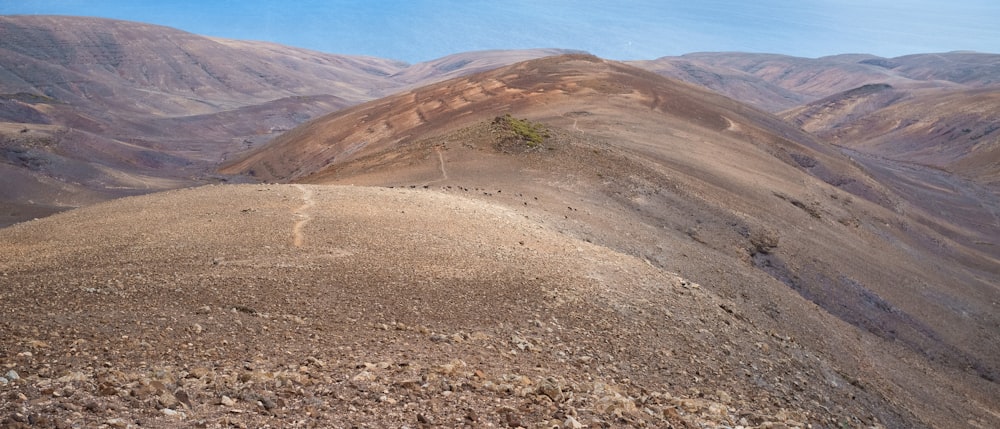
(330, 306)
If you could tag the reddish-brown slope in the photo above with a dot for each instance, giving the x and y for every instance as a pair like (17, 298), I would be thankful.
(545, 87)
(698, 184)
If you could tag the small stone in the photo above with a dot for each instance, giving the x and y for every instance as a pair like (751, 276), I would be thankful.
(183, 397)
(170, 413)
(197, 328)
(12, 375)
(572, 423)
(73, 377)
(199, 372)
(363, 376)
(411, 384)
(550, 389)
(471, 415)
(422, 419)
(116, 423)
(267, 403)
(521, 343)
(3, 381)
(227, 401)
(512, 420)
(168, 400)
(69, 406)
(104, 389)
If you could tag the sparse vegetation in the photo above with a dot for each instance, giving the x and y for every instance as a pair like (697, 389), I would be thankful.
(531, 134)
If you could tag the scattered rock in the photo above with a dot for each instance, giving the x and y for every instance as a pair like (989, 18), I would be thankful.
(363, 376)
(183, 398)
(551, 390)
(199, 372)
(521, 343)
(171, 413)
(167, 400)
(572, 423)
(116, 423)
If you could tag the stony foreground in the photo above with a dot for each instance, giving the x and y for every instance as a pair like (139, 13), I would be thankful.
(311, 306)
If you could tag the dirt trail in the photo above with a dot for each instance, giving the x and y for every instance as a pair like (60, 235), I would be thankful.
(730, 125)
(444, 172)
(303, 214)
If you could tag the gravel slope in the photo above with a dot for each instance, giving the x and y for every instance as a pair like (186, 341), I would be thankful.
(326, 306)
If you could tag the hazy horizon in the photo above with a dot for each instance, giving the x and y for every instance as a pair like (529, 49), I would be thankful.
(416, 31)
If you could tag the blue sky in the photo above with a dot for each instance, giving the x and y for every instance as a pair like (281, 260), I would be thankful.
(420, 30)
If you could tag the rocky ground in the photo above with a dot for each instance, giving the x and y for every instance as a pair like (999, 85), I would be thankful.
(314, 306)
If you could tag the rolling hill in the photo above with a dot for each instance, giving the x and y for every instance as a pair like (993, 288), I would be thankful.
(779, 82)
(803, 239)
(93, 109)
(565, 241)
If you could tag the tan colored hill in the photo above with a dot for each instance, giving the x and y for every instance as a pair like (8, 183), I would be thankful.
(805, 242)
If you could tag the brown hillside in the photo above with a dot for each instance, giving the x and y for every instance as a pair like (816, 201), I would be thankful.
(162, 106)
(937, 147)
(950, 129)
(803, 239)
(278, 305)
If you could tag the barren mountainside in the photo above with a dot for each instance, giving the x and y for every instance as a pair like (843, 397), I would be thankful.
(492, 239)
(730, 197)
